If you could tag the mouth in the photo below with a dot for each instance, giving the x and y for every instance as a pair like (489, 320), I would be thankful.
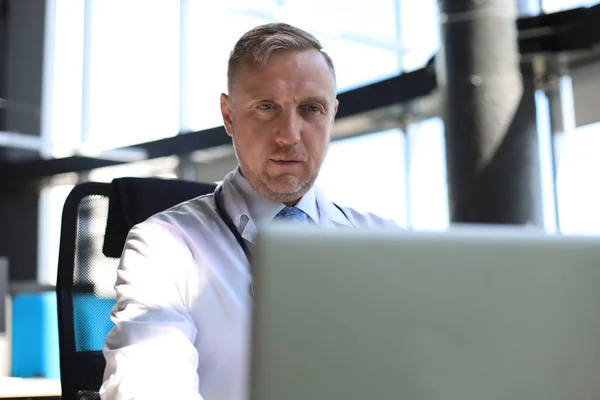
(285, 160)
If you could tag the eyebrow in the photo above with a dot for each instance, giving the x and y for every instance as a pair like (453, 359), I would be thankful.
(317, 99)
(258, 92)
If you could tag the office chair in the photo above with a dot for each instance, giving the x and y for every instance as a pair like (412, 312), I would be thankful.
(95, 221)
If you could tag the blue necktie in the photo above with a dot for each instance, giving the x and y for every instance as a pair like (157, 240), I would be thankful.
(293, 214)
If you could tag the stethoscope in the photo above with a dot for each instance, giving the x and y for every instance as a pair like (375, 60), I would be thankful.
(220, 205)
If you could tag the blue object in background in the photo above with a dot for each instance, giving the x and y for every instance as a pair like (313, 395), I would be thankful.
(91, 317)
(35, 349)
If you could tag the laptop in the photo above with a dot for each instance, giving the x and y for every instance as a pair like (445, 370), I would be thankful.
(381, 314)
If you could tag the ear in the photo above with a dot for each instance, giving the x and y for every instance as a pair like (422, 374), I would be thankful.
(335, 109)
(227, 114)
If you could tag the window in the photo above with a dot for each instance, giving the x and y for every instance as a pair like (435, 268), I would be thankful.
(207, 50)
(428, 190)
(577, 184)
(419, 31)
(358, 64)
(551, 6)
(112, 75)
(50, 204)
(368, 173)
(62, 78)
(133, 72)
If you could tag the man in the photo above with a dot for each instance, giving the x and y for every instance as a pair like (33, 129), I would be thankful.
(183, 300)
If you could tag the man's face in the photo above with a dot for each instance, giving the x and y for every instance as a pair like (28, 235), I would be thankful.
(280, 117)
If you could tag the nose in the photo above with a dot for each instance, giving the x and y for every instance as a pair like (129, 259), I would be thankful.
(288, 128)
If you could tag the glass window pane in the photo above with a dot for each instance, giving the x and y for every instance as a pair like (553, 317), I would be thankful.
(358, 64)
(63, 79)
(428, 202)
(577, 183)
(206, 60)
(134, 71)
(373, 21)
(51, 203)
(367, 173)
(419, 32)
(551, 6)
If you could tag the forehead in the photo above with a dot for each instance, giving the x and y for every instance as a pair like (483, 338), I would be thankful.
(287, 71)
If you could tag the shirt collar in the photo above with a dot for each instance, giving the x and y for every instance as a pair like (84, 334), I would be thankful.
(249, 210)
(331, 215)
(240, 198)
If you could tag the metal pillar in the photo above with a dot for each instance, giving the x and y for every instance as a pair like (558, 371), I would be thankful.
(561, 107)
(491, 136)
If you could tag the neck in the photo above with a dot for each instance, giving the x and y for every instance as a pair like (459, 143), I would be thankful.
(291, 203)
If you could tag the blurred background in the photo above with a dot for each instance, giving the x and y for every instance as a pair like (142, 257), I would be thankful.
(92, 90)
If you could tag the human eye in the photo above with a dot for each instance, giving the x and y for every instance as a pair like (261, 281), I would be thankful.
(265, 106)
(312, 108)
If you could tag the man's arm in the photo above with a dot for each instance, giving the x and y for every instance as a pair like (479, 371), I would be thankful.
(150, 352)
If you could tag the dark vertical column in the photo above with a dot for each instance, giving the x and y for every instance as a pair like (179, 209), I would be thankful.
(491, 137)
(24, 62)
(22, 68)
(3, 40)
(19, 232)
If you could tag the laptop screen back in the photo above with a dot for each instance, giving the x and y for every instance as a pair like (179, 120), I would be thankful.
(351, 314)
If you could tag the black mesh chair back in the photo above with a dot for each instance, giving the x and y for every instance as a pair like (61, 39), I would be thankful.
(95, 222)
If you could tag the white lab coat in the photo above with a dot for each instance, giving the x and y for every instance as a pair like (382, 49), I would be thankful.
(183, 302)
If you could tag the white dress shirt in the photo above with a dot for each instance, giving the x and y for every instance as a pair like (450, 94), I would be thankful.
(182, 317)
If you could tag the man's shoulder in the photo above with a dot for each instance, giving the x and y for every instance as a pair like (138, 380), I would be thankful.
(356, 218)
(193, 213)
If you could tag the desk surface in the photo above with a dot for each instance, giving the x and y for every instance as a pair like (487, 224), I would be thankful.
(15, 388)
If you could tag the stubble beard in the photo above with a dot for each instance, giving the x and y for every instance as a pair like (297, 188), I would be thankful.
(282, 189)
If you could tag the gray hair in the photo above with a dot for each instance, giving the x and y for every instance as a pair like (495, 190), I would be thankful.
(260, 42)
